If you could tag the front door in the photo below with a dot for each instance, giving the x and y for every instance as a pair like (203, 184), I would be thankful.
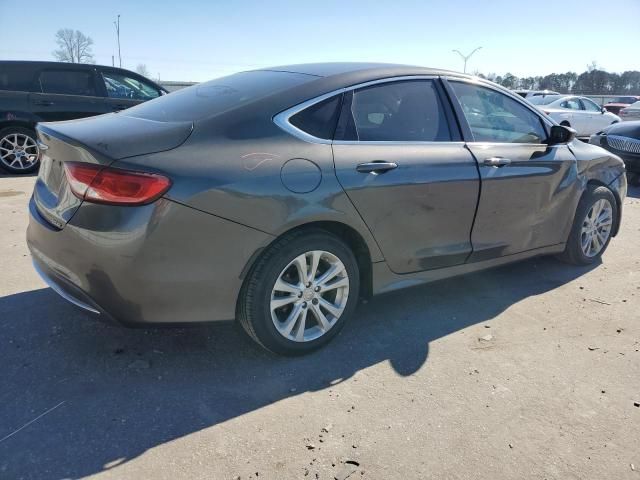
(526, 185)
(410, 177)
(124, 91)
(66, 94)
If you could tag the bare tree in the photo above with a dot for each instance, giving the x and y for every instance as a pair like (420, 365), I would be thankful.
(73, 46)
(142, 70)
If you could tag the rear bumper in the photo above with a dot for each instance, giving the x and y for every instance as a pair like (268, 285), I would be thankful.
(160, 263)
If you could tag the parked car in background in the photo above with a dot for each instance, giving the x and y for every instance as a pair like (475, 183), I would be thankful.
(32, 92)
(623, 139)
(580, 113)
(297, 190)
(619, 103)
(535, 93)
(630, 113)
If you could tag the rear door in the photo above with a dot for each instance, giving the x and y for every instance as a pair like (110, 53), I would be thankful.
(66, 94)
(400, 159)
(526, 184)
(125, 90)
(577, 117)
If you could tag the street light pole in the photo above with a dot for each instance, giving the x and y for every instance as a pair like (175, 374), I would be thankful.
(466, 57)
(117, 24)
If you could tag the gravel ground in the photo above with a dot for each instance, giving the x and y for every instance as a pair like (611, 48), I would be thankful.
(527, 371)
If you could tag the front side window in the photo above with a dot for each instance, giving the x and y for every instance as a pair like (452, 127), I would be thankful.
(68, 82)
(405, 111)
(122, 86)
(590, 106)
(495, 117)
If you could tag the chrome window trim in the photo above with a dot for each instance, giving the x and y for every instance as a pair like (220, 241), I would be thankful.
(282, 118)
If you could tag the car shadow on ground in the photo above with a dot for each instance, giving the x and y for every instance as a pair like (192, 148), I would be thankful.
(128, 390)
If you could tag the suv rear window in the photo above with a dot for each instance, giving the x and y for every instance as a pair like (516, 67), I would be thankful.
(217, 96)
(68, 82)
(16, 77)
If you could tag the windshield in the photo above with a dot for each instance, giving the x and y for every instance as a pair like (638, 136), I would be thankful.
(546, 100)
(217, 96)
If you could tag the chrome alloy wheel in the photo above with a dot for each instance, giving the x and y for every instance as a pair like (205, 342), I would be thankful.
(19, 151)
(309, 296)
(596, 228)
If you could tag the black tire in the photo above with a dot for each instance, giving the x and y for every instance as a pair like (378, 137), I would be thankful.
(565, 124)
(573, 252)
(253, 311)
(6, 132)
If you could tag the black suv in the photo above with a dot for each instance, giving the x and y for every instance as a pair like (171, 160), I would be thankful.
(32, 92)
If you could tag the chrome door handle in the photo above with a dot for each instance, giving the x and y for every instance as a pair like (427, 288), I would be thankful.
(376, 167)
(497, 161)
(44, 103)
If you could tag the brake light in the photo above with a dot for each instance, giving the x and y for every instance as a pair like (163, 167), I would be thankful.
(115, 186)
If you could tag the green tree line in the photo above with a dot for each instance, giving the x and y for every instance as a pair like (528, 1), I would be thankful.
(592, 82)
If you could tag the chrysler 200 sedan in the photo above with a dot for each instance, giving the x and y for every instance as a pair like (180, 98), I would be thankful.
(281, 196)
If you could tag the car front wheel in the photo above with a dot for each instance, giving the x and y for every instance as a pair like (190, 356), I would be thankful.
(592, 226)
(300, 293)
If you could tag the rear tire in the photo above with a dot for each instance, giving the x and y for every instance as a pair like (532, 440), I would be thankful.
(565, 124)
(300, 292)
(593, 225)
(19, 151)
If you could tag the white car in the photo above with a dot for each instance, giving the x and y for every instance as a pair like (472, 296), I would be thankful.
(632, 112)
(585, 116)
(535, 93)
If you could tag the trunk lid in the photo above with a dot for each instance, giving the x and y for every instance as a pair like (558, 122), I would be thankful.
(99, 140)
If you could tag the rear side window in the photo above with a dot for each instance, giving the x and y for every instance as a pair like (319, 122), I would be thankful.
(217, 96)
(319, 120)
(407, 111)
(16, 78)
(68, 82)
(571, 104)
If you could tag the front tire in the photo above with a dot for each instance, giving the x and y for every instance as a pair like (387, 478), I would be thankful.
(19, 151)
(592, 226)
(300, 292)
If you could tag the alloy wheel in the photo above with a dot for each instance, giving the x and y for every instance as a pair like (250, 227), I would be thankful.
(596, 228)
(309, 296)
(18, 151)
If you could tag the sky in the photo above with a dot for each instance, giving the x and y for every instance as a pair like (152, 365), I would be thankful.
(197, 40)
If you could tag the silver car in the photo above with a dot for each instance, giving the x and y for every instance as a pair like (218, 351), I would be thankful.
(281, 196)
(580, 113)
(632, 112)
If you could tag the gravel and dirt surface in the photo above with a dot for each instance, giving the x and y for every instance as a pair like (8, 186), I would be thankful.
(527, 371)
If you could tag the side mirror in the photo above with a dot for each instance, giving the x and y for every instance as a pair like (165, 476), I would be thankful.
(560, 134)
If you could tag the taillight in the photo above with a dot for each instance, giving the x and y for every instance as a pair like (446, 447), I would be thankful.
(115, 186)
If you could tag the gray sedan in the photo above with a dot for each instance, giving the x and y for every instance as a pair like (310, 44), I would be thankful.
(281, 196)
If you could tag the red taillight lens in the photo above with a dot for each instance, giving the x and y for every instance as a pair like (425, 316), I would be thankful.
(95, 183)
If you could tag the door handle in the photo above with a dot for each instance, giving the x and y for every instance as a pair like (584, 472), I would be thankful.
(44, 103)
(496, 161)
(376, 167)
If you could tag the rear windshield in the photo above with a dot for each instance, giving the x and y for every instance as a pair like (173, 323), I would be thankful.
(217, 96)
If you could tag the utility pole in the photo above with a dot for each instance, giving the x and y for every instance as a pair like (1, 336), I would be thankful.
(466, 57)
(113, 62)
(117, 24)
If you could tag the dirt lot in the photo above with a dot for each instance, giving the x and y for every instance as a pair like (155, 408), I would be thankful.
(528, 371)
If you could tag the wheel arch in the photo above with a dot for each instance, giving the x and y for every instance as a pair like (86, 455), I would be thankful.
(22, 123)
(354, 240)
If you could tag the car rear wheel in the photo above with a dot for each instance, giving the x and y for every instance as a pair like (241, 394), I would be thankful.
(300, 293)
(19, 151)
(592, 226)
